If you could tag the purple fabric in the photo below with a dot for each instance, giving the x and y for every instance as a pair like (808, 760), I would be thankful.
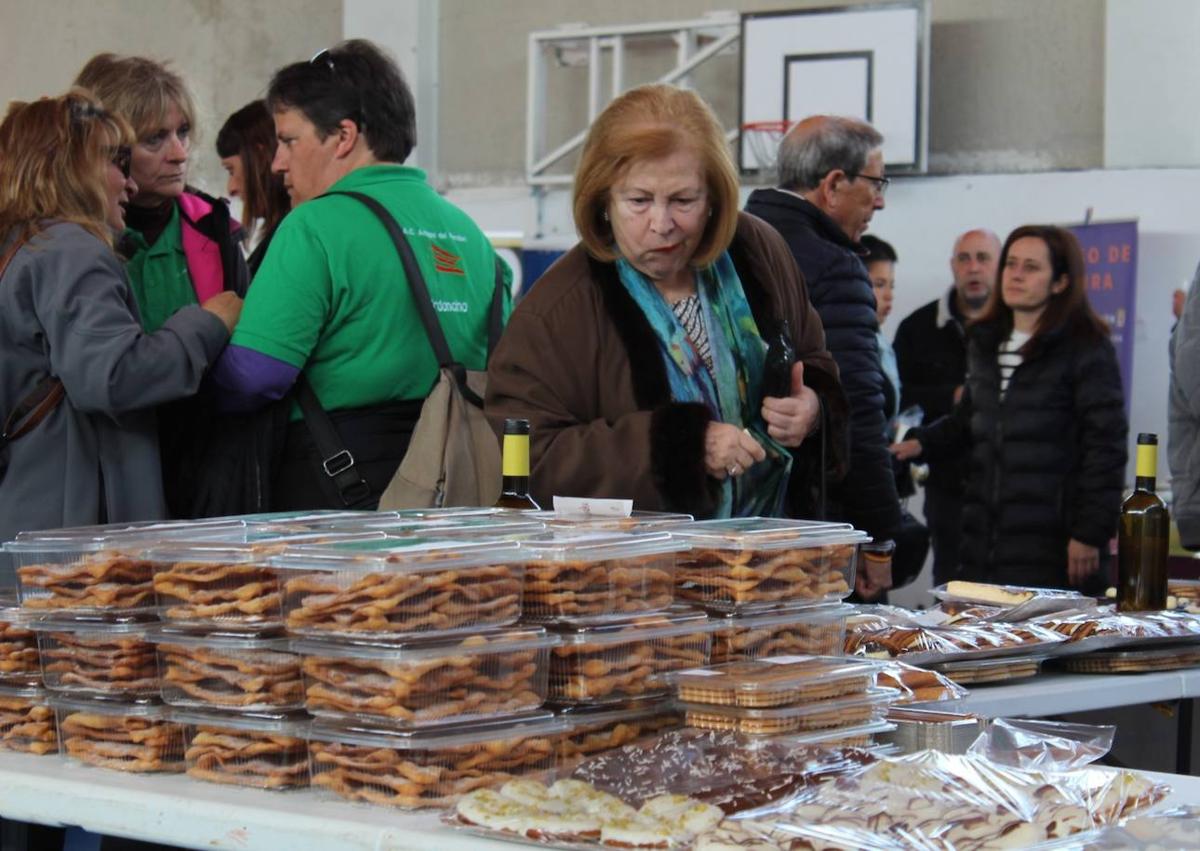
(246, 380)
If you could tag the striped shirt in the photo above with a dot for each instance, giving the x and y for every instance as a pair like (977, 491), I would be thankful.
(1008, 356)
(687, 311)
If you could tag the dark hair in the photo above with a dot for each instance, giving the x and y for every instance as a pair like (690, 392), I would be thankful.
(249, 134)
(1068, 310)
(877, 250)
(354, 80)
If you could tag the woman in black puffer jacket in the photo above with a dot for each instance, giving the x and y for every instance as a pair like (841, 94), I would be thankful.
(1043, 419)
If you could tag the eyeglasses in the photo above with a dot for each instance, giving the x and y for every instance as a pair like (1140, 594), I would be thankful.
(881, 183)
(123, 159)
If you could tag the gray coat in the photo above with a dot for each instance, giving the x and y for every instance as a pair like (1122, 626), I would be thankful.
(1183, 437)
(66, 310)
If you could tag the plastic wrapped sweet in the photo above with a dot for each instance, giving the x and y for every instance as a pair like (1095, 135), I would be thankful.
(1002, 670)
(931, 800)
(1035, 745)
(1104, 628)
(921, 645)
(1170, 830)
(917, 685)
(1015, 602)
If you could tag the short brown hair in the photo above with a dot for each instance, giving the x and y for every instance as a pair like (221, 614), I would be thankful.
(1069, 309)
(141, 90)
(651, 122)
(54, 154)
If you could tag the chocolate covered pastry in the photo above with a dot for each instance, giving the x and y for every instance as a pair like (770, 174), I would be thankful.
(103, 582)
(736, 578)
(126, 743)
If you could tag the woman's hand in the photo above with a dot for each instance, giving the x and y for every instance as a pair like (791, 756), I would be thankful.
(906, 450)
(227, 307)
(1082, 561)
(791, 420)
(729, 450)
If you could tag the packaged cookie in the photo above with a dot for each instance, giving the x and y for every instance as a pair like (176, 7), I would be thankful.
(595, 729)
(228, 670)
(780, 681)
(429, 767)
(598, 576)
(134, 735)
(397, 588)
(94, 655)
(747, 563)
(432, 681)
(227, 584)
(19, 660)
(1002, 670)
(614, 662)
(26, 720)
(263, 750)
(851, 711)
(791, 632)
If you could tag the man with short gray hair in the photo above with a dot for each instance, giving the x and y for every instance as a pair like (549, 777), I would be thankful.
(831, 183)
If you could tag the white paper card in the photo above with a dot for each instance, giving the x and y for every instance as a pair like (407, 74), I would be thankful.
(581, 508)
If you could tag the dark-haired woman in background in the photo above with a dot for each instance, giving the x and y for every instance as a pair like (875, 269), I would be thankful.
(1044, 419)
(246, 146)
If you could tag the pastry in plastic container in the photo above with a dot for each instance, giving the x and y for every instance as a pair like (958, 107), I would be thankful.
(636, 521)
(19, 660)
(428, 681)
(26, 720)
(779, 681)
(791, 632)
(504, 527)
(917, 685)
(263, 750)
(1002, 670)
(228, 670)
(400, 587)
(614, 662)
(921, 645)
(746, 563)
(595, 729)
(597, 576)
(97, 655)
(96, 569)
(125, 735)
(429, 767)
(851, 711)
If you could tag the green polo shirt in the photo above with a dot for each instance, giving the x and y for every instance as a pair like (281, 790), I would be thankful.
(159, 274)
(331, 295)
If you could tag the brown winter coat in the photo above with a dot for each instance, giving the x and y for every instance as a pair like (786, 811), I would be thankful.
(581, 363)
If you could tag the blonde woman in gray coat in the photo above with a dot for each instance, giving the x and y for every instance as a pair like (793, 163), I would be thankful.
(79, 379)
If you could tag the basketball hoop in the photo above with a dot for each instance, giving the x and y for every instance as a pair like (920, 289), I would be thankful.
(762, 140)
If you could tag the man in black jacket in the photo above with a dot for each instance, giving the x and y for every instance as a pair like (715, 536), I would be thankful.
(830, 184)
(931, 352)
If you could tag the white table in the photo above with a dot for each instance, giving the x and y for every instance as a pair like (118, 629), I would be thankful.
(1056, 694)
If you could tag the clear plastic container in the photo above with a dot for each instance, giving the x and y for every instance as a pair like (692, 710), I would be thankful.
(850, 711)
(430, 767)
(1002, 670)
(748, 563)
(498, 526)
(618, 661)
(423, 682)
(19, 660)
(228, 671)
(593, 577)
(228, 584)
(793, 632)
(595, 729)
(135, 736)
(782, 681)
(27, 721)
(94, 656)
(262, 750)
(637, 521)
(401, 588)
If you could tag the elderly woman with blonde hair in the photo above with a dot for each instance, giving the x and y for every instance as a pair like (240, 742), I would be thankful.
(78, 376)
(639, 356)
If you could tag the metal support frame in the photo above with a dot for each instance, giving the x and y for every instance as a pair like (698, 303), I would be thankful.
(694, 42)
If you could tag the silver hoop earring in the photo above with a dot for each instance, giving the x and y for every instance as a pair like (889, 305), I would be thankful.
(604, 213)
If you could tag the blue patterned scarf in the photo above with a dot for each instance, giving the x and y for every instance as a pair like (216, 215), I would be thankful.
(732, 392)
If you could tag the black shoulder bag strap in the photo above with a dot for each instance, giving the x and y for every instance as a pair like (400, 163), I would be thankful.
(337, 463)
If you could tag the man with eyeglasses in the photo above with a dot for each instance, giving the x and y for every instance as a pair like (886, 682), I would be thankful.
(831, 182)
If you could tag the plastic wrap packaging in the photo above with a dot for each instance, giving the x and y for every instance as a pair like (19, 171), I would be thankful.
(1036, 745)
(917, 685)
(596, 729)
(931, 800)
(1169, 830)
(924, 645)
(1137, 660)
(869, 618)
(1002, 670)
(1015, 602)
(921, 729)
(1104, 628)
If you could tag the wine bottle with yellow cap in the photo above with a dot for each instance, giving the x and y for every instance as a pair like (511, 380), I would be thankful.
(1142, 538)
(514, 492)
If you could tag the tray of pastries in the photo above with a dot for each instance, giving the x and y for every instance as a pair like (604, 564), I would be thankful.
(920, 645)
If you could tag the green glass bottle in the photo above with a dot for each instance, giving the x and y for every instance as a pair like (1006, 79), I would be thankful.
(1142, 538)
(514, 491)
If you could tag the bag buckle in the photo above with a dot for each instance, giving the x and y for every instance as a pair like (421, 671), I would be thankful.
(337, 464)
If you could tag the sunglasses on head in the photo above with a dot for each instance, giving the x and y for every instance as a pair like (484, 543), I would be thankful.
(123, 159)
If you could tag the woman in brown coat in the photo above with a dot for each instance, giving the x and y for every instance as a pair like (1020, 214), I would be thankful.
(639, 356)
